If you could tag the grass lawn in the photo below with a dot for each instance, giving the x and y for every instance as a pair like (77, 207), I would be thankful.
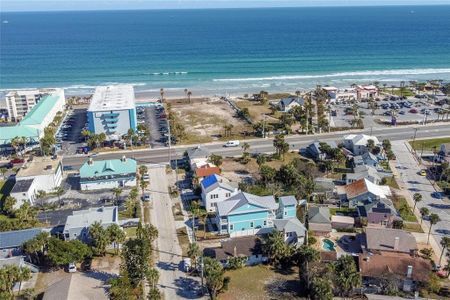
(342, 211)
(428, 144)
(183, 240)
(130, 232)
(260, 282)
(255, 109)
(398, 92)
(404, 210)
(412, 227)
(390, 181)
(195, 139)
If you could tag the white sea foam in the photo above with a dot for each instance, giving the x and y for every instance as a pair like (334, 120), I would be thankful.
(341, 74)
(167, 73)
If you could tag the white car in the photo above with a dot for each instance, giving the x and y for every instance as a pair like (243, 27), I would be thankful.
(232, 144)
(186, 264)
(72, 268)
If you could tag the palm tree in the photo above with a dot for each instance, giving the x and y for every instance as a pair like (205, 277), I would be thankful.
(101, 138)
(144, 185)
(59, 191)
(24, 275)
(117, 192)
(3, 172)
(434, 219)
(185, 92)
(321, 289)
(161, 92)
(445, 243)
(305, 255)
(275, 247)
(245, 147)
(85, 134)
(194, 253)
(152, 277)
(189, 94)
(417, 198)
(424, 212)
(143, 170)
(116, 236)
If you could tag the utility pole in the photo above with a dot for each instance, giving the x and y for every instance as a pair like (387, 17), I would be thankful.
(414, 140)
(264, 126)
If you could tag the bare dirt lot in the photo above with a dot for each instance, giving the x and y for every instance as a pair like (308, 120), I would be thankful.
(205, 120)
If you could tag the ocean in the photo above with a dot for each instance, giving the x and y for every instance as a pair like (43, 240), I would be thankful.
(224, 50)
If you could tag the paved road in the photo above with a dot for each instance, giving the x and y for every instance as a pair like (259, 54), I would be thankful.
(408, 168)
(174, 283)
(265, 145)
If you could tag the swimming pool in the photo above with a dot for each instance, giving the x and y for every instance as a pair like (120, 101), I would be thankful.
(328, 245)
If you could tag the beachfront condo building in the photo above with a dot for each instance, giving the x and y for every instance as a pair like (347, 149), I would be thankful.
(32, 125)
(112, 111)
(19, 103)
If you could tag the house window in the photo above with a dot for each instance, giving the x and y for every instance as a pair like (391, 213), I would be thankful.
(227, 195)
(231, 227)
(252, 224)
(285, 213)
(211, 204)
(214, 196)
(265, 223)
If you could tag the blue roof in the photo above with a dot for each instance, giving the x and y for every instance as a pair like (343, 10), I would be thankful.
(13, 239)
(210, 180)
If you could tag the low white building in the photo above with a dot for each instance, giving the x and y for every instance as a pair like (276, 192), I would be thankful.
(198, 157)
(357, 143)
(366, 92)
(42, 174)
(215, 189)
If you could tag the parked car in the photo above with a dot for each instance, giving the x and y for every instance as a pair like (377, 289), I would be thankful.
(423, 173)
(232, 144)
(187, 264)
(413, 111)
(72, 268)
(146, 197)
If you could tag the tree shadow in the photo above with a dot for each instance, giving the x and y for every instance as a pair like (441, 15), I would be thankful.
(188, 288)
(283, 289)
(167, 266)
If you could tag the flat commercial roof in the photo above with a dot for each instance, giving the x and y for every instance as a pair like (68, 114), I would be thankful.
(39, 166)
(113, 97)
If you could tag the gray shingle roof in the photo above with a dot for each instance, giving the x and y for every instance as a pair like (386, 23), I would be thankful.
(13, 239)
(288, 200)
(290, 225)
(226, 207)
(22, 186)
(85, 218)
(319, 215)
(384, 238)
(197, 152)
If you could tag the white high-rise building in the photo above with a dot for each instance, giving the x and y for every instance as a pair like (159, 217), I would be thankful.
(19, 103)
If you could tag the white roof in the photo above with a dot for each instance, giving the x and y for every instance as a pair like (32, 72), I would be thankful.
(113, 97)
(330, 88)
(367, 87)
(85, 218)
(23, 93)
(343, 219)
(361, 139)
(228, 206)
(383, 191)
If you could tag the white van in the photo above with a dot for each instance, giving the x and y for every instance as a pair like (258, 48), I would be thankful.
(232, 144)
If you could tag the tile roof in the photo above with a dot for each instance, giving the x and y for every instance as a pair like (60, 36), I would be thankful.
(108, 167)
(228, 206)
(383, 239)
(206, 171)
(13, 239)
(379, 266)
(363, 185)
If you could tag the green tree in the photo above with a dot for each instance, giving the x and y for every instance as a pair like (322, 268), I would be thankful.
(261, 159)
(117, 191)
(214, 277)
(100, 238)
(9, 276)
(154, 293)
(115, 235)
(445, 243)
(62, 253)
(85, 134)
(121, 288)
(3, 172)
(194, 253)
(281, 146)
(275, 247)
(143, 184)
(35, 247)
(424, 212)
(434, 219)
(152, 277)
(8, 205)
(267, 173)
(236, 262)
(321, 289)
(304, 255)
(346, 275)
(215, 159)
(417, 198)
(135, 254)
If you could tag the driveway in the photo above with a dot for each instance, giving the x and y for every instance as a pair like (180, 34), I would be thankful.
(174, 283)
(407, 169)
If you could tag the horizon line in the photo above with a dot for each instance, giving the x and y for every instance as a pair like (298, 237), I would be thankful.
(224, 8)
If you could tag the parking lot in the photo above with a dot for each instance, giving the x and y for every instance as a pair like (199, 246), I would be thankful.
(68, 137)
(409, 110)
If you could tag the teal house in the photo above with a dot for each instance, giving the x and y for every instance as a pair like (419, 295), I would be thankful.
(107, 174)
(287, 207)
(246, 214)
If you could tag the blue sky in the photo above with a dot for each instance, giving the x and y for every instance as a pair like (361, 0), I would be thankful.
(39, 5)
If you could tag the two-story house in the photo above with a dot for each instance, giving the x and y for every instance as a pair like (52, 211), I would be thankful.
(286, 104)
(358, 192)
(380, 212)
(366, 159)
(357, 143)
(361, 172)
(246, 214)
(215, 189)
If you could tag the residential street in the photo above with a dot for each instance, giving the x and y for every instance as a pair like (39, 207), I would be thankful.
(408, 168)
(174, 283)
